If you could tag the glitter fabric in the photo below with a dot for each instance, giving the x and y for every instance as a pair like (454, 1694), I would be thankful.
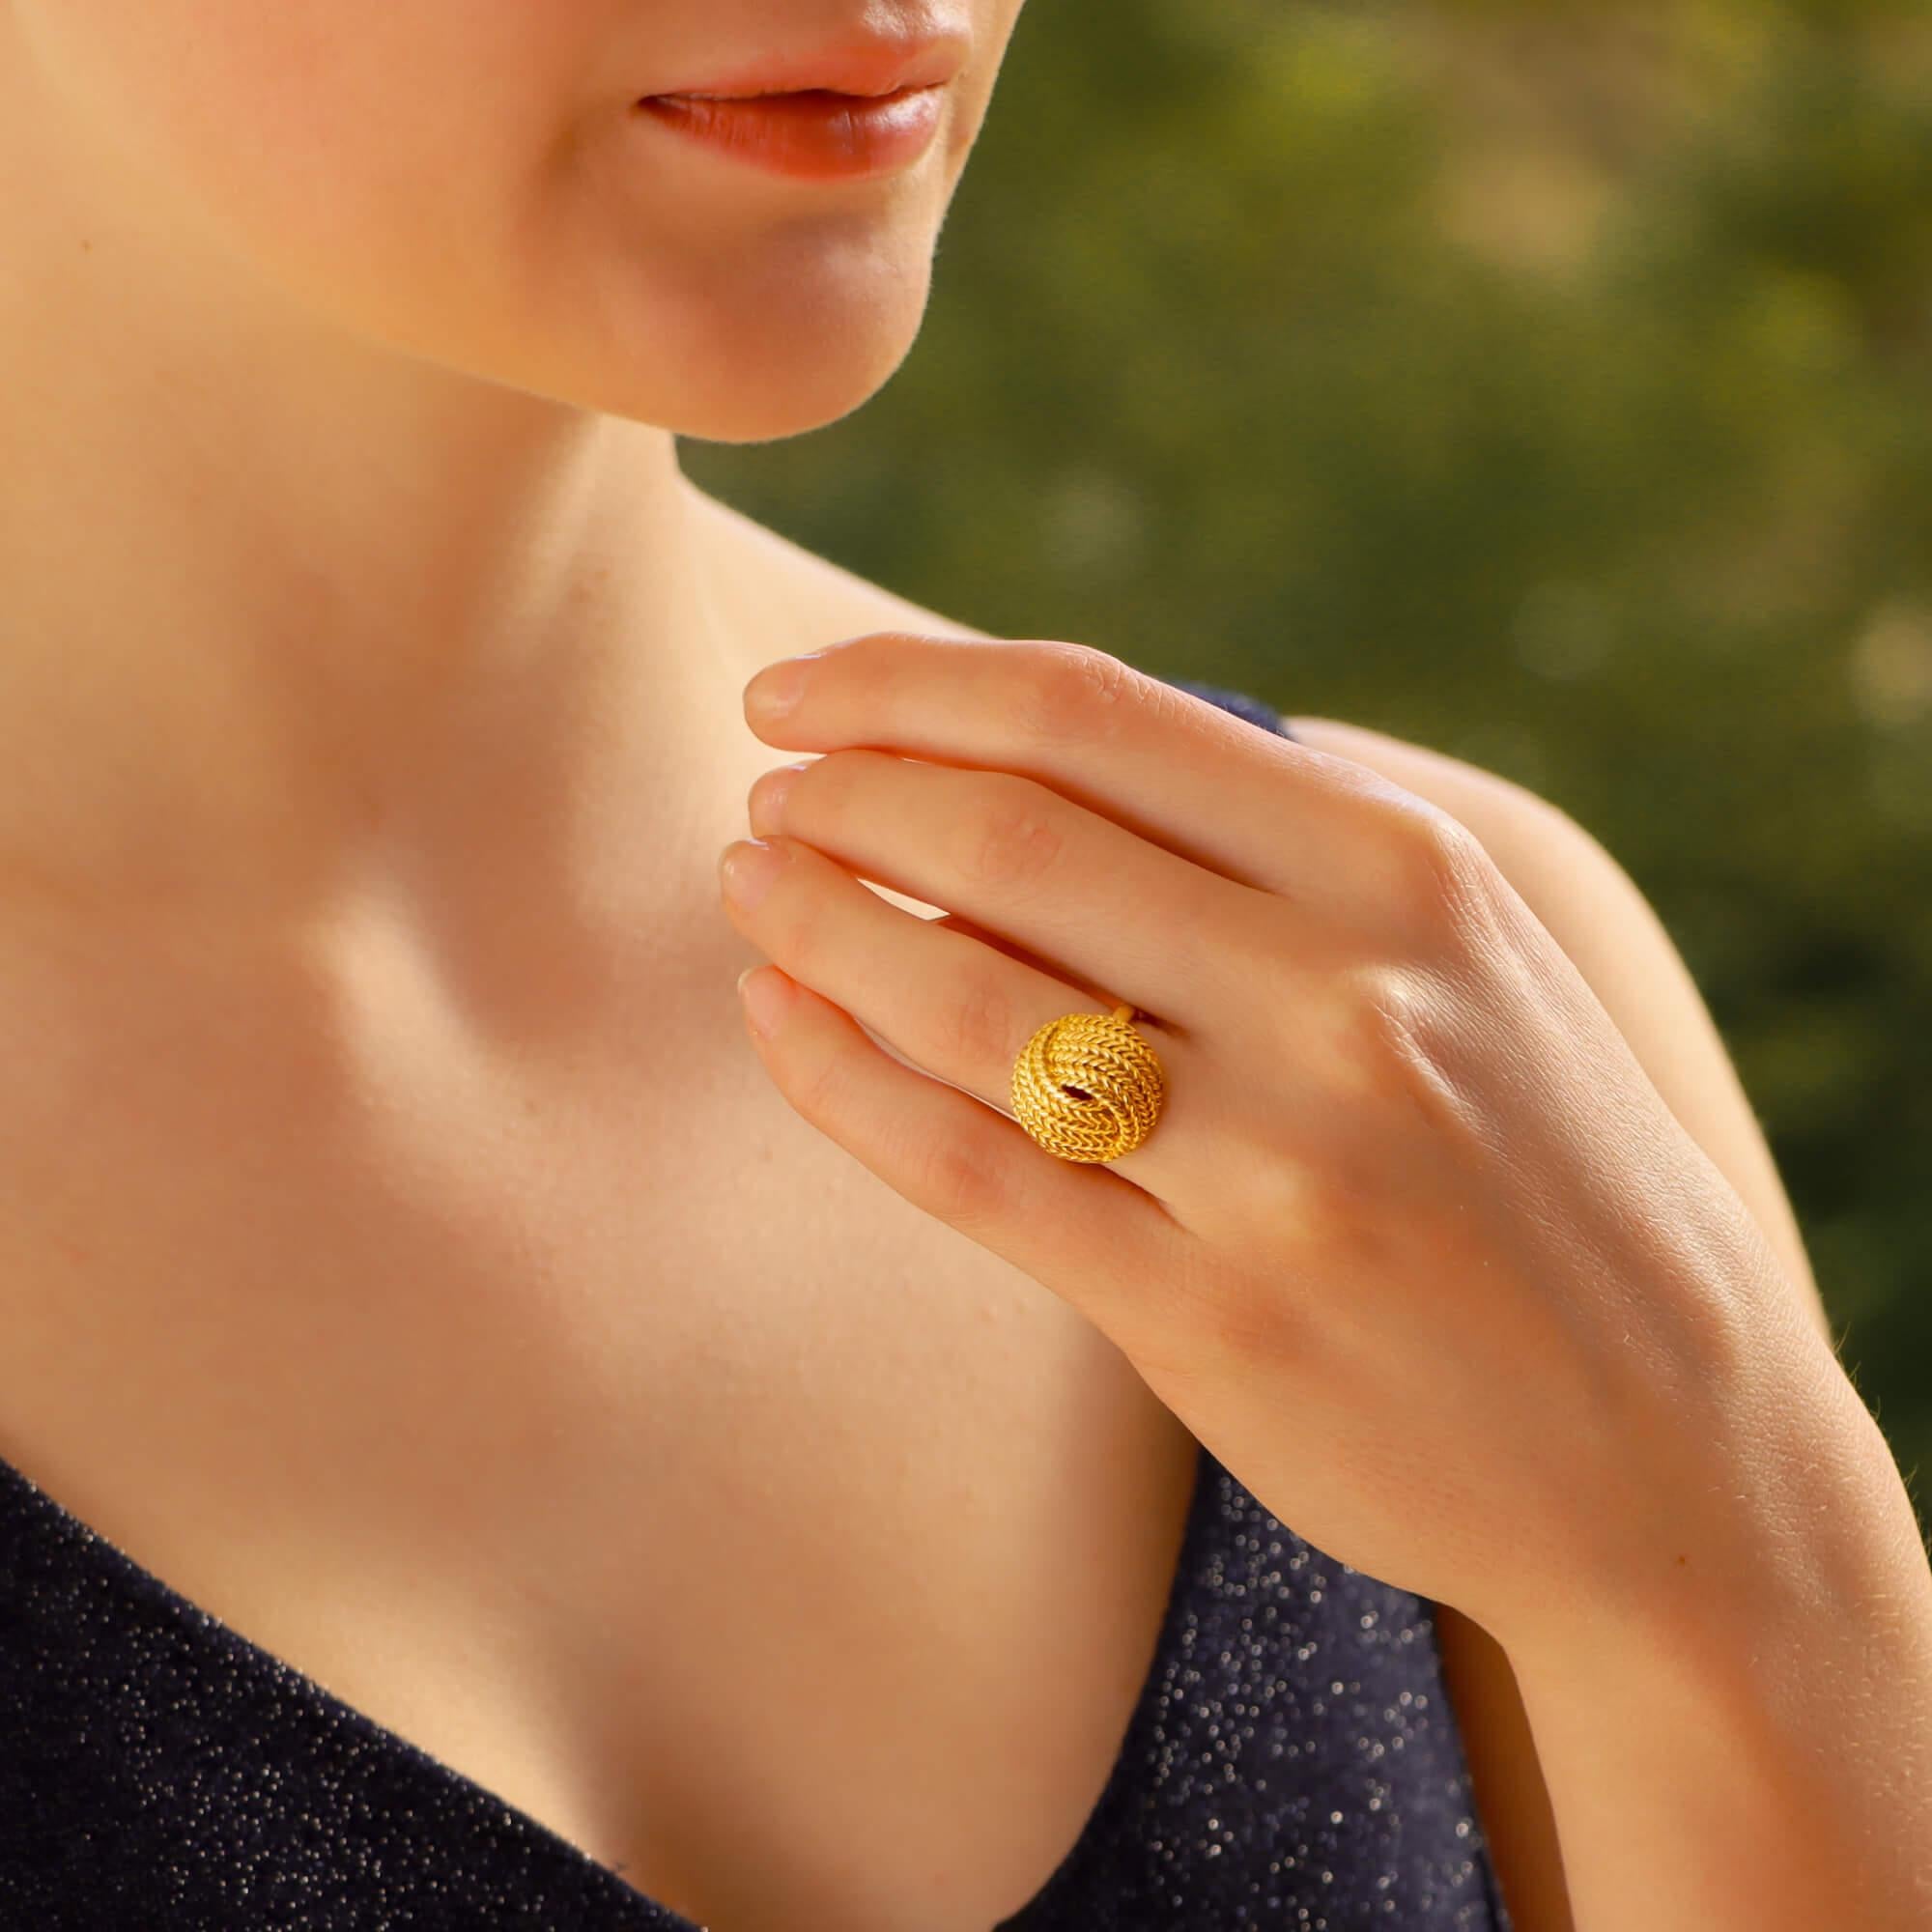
(1292, 1762)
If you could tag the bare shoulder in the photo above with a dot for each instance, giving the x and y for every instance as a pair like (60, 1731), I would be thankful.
(1466, 791)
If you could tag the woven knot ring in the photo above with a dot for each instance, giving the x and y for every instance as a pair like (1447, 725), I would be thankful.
(1088, 1086)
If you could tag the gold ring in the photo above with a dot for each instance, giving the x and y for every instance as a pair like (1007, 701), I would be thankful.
(1088, 1086)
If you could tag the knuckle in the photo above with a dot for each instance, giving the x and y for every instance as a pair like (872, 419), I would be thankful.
(1443, 871)
(956, 1179)
(1398, 1032)
(1012, 838)
(819, 794)
(978, 1025)
(1073, 692)
(1380, 1009)
(792, 918)
(815, 1089)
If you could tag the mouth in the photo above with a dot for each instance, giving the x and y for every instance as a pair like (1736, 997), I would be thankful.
(815, 133)
(768, 94)
(787, 94)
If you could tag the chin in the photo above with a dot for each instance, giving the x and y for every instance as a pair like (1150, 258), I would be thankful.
(790, 394)
(754, 360)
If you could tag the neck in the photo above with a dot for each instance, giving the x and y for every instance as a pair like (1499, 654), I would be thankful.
(290, 612)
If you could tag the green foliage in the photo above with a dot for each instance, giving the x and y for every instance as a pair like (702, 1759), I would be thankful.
(1548, 383)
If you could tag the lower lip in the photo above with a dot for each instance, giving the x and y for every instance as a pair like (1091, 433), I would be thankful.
(813, 136)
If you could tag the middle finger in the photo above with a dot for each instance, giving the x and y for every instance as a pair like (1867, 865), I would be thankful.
(940, 999)
(1086, 897)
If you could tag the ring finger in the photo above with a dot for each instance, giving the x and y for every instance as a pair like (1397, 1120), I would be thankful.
(951, 1003)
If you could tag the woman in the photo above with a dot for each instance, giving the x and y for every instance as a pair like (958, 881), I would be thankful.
(482, 1444)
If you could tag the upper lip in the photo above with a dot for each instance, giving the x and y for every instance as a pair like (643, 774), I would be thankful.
(870, 64)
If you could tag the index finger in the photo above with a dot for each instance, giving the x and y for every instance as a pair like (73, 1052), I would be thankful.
(1259, 807)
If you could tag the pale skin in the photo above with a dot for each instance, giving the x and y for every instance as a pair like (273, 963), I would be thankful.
(370, 711)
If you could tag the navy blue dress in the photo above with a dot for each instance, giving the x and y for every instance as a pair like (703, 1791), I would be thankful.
(1292, 1762)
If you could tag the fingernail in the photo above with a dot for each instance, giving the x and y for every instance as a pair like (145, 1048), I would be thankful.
(778, 687)
(765, 998)
(768, 797)
(746, 870)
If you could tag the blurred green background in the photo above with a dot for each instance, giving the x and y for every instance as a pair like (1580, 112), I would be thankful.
(1545, 383)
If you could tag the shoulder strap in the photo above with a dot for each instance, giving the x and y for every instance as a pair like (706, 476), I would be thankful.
(1241, 702)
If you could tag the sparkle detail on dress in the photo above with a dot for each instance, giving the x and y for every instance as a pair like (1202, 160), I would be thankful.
(1292, 1762)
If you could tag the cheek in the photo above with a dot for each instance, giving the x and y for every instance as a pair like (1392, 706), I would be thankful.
(350, 157)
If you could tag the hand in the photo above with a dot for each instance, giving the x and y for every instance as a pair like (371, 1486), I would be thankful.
(1415, 1247)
